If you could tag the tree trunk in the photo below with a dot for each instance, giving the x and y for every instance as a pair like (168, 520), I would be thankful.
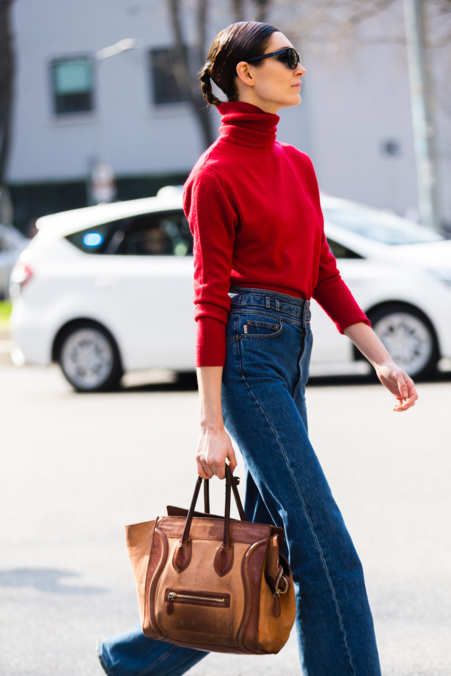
(183, 70)
(6, 84)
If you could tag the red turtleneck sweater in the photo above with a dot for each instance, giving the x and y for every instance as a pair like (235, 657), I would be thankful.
(253, 208)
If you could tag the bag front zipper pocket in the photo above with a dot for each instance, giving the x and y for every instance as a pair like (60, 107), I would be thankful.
(217, 600)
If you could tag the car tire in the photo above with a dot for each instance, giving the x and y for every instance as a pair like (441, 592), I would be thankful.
(89, 358)
(409, 337)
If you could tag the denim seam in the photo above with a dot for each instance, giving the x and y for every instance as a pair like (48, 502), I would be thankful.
(300, 356)
(309, 520)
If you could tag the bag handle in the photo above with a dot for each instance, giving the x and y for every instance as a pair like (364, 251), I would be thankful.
(231, 482)
(224, 554)
(236, 494)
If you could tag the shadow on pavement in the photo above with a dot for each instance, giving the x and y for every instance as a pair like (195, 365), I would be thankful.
(47, 580)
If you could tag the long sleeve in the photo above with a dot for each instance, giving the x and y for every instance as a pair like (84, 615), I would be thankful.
(212, 219)
(331, 291)
(334, 295)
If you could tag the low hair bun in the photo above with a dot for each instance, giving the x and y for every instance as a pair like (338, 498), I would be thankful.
(205, 85)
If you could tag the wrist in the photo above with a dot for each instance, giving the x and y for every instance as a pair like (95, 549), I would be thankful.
(384, 363)
(212, 425)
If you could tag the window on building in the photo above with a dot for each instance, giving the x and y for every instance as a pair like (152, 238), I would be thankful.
(166, 87)
(72, 85)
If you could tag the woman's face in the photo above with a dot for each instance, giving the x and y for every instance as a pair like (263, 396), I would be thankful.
(273, 84)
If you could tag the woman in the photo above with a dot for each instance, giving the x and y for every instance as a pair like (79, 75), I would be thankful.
(260, 254)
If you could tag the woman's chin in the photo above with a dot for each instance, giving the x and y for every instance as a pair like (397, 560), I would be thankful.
(295, 98)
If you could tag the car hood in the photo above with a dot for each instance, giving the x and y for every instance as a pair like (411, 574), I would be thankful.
(429, 255)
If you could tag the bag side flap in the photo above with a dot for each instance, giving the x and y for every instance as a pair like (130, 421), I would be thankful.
(139, 538)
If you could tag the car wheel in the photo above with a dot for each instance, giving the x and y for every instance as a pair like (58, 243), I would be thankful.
(89, 358)
(409, 337)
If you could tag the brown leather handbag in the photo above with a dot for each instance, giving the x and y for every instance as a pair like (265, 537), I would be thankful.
(210, 582)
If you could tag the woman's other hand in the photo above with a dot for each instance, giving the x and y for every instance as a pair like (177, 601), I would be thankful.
(394, 378)
(214, 447)
(399, 383)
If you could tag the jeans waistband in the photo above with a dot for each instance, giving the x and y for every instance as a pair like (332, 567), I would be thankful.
(299, 308)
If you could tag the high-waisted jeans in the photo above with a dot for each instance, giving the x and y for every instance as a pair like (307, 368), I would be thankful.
(269, 343)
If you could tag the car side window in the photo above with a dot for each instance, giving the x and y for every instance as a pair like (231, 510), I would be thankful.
(154, 234)
(341, 251)
(94, 240)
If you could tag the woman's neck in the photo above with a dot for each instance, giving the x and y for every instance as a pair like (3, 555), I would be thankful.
(247, 124)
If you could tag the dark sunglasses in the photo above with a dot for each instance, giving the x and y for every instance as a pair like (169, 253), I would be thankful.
(289, 56)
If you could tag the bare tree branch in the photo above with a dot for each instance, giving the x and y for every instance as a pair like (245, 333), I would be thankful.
(334, 21)
(237, 7)
(360, 14)
(262, 10)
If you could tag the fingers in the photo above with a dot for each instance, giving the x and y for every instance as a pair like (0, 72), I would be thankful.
(203, 468)
(407, 392)
(208, 469)
(213, 451)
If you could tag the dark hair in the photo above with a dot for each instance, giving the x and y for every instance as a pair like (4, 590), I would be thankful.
(237, 42)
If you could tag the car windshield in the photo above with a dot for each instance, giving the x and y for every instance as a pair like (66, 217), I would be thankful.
(381, 226)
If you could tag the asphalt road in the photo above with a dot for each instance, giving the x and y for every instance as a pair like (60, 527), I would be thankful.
(76, 468)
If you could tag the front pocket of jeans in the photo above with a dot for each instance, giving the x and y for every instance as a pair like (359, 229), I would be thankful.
(257, 328)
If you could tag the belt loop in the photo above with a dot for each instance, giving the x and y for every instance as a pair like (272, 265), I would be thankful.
(277, 303)
(267, 302)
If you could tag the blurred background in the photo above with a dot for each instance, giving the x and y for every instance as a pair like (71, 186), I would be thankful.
(120, 89)
(101, 120)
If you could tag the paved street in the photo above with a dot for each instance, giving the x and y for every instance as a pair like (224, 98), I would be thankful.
(76, 468)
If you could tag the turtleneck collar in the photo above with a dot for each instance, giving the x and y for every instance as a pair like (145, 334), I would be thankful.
(247, 124)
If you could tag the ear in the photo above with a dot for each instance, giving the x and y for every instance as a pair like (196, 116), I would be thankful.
(245, 73)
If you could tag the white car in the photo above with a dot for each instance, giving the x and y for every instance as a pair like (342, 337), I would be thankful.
(107, 289)
(11, 244)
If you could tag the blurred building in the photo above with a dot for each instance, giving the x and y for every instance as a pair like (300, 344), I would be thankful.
(73, 111)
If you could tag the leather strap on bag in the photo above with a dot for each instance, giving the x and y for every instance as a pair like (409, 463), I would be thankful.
(235, 483)
(224, 555)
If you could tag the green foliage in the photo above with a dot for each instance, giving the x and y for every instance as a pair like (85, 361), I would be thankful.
(5, 311)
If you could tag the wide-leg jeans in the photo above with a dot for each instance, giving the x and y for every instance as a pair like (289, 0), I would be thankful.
(269, 344)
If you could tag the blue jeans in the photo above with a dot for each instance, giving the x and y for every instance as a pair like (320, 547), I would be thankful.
(269, 343)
